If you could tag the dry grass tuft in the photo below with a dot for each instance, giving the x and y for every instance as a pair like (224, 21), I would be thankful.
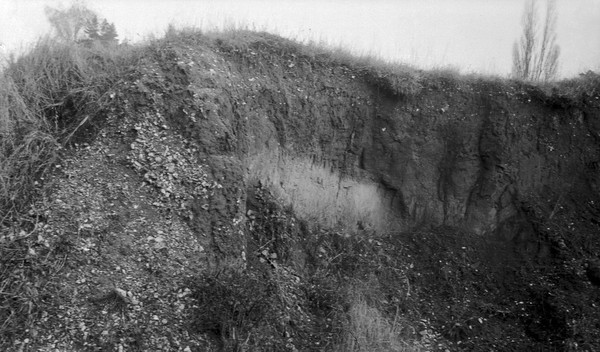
(368, 330)
(46, 96)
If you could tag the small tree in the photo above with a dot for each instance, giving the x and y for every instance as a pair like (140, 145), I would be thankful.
(108, 32)
(91, 28)
(535, 57)
(68, 24)
(71, 24)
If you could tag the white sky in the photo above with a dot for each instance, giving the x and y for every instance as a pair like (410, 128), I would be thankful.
(473, 35)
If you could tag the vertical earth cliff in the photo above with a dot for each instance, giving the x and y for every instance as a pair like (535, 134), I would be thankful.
(347, 146)
(239, 191)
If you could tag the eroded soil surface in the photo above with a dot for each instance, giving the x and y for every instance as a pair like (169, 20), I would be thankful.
(159, 231)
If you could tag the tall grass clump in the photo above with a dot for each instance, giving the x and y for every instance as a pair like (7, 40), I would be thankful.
(47, 98)
(368, 329)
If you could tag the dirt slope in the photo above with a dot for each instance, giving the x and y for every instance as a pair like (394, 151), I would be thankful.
(160, 193)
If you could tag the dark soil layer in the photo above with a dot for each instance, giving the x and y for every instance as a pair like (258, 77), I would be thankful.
(172, 228)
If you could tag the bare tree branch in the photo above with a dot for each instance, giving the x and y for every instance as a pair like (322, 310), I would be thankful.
(536, 57)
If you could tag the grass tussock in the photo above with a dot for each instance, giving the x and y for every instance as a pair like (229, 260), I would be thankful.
(368, 330)
(49, 98)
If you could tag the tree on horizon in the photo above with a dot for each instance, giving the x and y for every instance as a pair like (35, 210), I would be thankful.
(108, 32)
(68, 24)
(535, 54)
(91, 28)
(105, 31)
(80, 24)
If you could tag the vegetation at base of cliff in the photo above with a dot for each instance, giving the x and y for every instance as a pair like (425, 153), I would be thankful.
(353, 292)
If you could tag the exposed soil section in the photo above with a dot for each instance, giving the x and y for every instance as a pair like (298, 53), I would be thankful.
(468, 208)
(459, 153)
